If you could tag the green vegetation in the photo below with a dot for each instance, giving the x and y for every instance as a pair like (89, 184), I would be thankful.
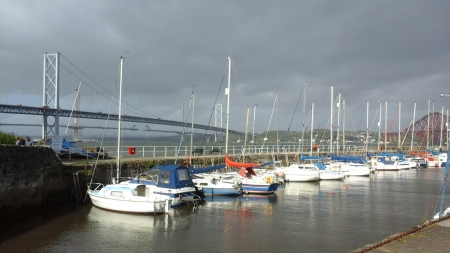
(150, 164)
(294, 136)
(7, 138)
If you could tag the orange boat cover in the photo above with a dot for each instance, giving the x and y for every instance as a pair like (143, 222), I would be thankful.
(238, 164)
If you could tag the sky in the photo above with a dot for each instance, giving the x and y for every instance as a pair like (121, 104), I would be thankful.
(386, 52)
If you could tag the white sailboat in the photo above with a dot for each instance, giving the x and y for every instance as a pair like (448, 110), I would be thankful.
(154, 191)
(250, 181)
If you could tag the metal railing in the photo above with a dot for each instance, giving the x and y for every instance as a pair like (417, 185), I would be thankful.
(185, 151)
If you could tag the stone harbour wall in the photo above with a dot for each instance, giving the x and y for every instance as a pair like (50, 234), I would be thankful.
(30, 178)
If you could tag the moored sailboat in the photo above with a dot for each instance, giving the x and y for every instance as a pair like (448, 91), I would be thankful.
(154, 191)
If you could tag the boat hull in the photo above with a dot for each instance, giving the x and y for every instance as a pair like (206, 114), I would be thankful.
(259, 188)
(220, 191)
(216, 186)
(139, 205)
(387, 169)
(331, 175)
(358, 172)
(302, 177)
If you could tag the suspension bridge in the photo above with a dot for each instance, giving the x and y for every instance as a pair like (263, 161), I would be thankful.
(61, 106)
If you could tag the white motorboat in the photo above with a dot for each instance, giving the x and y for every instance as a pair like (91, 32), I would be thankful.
(215, 186)
(379, 164)
(419, 161)
(356, 169)
(326, 174)
(301, 173)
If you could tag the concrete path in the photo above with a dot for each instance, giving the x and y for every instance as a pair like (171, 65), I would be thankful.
(433, 238)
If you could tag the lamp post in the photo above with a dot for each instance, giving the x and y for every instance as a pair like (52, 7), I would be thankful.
(444, 182)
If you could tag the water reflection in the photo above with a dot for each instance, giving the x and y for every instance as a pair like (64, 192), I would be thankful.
(301, 188)
(116, 220)
(326, 216)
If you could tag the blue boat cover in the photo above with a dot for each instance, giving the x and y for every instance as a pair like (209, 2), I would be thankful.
(193, 170)
(347, 158)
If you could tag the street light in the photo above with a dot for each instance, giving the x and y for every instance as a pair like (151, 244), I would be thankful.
(444, 182)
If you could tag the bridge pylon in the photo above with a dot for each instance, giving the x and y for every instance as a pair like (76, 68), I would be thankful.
(50, 93)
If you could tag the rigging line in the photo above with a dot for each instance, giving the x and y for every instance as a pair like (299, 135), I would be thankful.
(287, 132)
(407, 131)
(370, 129)
(212, 111)
(270, 121)
(104, 132)
(20, 63)
(71, 112)
(326, 130)
(392, 120)
(101, 94)
(98, 86)
(184, 127)
(359, 124)
(325, 108)
(84, 74)
(239, 85)
(322, 116)
(85, 83)
(135, 98)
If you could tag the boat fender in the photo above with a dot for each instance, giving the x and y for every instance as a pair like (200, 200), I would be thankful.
(268, 180)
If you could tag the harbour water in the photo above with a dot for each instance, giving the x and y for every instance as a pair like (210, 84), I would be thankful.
(327, 216)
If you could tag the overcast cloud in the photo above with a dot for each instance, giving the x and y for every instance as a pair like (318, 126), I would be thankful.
(369, 51)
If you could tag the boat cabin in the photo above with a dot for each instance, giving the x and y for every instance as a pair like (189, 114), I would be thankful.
(165, 176)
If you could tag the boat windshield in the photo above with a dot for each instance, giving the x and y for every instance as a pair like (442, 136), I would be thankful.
(151, 175)
(183, 174)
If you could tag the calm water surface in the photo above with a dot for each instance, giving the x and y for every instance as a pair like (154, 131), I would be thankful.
(328, 216)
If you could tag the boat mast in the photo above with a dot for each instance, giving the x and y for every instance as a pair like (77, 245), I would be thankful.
(192, 126)
(245, 137)
(338, 119)
(331, 122)
(120, 120)
(379, 127)
(428, 123)
(312, 127)
(227, 93)
(278, 120)
(447, 164)
(343, 125)
(270, 121)
(442, 127)
(253, 128)
(367, 127)
(413, 123)
(303, 119)
(385, 126)
(432, 127)
(399, 117)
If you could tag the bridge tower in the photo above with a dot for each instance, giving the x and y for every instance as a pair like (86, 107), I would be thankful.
(51, 93)
(429, 129)
(218, 121)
